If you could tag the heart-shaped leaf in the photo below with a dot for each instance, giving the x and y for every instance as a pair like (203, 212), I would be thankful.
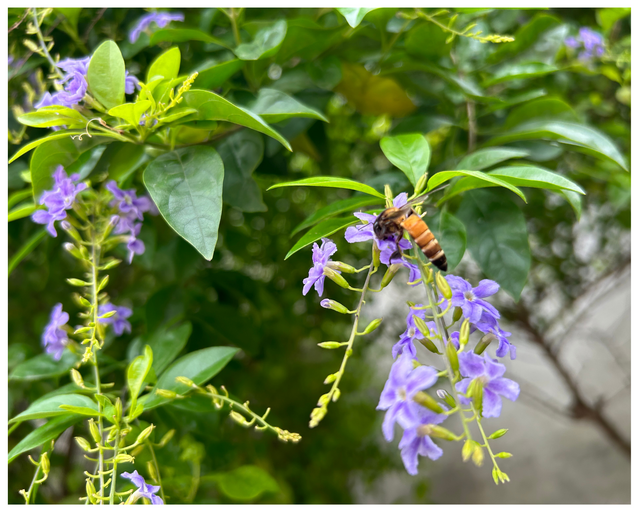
(409, 152)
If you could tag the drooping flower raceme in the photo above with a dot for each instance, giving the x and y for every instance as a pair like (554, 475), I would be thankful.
(119, 320)
(57, 200)
(320, 257)
(591, 42)
(470, 299)
(161, 19)
(396, 398)
(416, 441)
(143, 490)
(54, 338)
(490, 374)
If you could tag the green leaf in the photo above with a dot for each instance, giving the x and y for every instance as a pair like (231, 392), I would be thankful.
(23, 210)
(212, 107)
(484, 158)
(215, 76)
(50, 406)
(242, 153)
(121, 159)
(199, 366)
(17, 196)
(519, 176)
(346, 205)
(166, 65)
(451, 234)
(578, 136)
(26, 249)
(246, 483)
(54, 136)
(52, 429)
(175, 114)
(274, 106)
(186, 185)
(497, 238)
(574, 200)
(180, 35)
(607, 17)
(441, 177)
(354, 15)
(84, 411)
(43, 367)
(106, 75)
(409, 152)
(538, 109)
(332, 182)
(323, 229)
(166, 343)
(519, 70)
(137, 373)
(265, 43)
(131, 112)
(53, 116)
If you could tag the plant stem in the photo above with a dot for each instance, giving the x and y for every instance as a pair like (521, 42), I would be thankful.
(115, 466)
(32, 488)
(484, 437)
(43, 45)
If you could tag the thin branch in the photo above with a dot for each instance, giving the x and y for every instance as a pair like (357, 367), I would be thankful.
(95, 20)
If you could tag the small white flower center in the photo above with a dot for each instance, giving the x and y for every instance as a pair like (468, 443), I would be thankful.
(424, 430)
(469, 296)
(402, 393)
(412, 332)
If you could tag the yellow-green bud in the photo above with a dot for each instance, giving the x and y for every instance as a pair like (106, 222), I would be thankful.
(103, 283)
(238, 418)
(118, 409)
(151, 469)
(166, 393)
(452, 356)
(323, 400)
(392, 270)
(446, 397)
(186, 381)
(429, 345)
(475, 393)
(441, 433)
(421, 325)
(77, 378)
(478, 455)
(427, 401)
(457, 313)
(91, 490)
(143, 436)
(73, 250)
(467, 449)
(341, 266)
(336, 395)
(376, 256)
(123, 458)
(45, 465)
(464, 332)
(330, 344)
(421, 184)
(83, 444)
(335, 277)
(443, 286)
(498, 433)
(95, 433)
(330, 378)
(77, 282)
(167, 437)
(334, 305)
(504, 455)
(372, 326)
(428, 272)
(108, 314)
(484, 343)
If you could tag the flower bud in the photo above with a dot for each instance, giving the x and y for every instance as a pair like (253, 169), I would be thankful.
(341, 266)
(467, 449)
(151, 469)
(77, 282)
(475, 392)
(498, 433)
(421, 184)
(330, 378)
(95, 433)
(484, 343)
(330, 344)
(118, 409)
(422, 326)
(166, 438)
(376, 256)
(91, 490)
(446, 397)
(143, 436)
(186, 381)
(238, 418)
(103, 283)
(73, 232)
(442, 433)
(123, 458)
(392, 270)
(457, 313)
(73, 250)
(83, 444)
(372, 326)
(45, 465)
(334, 305)
(429, 345)
(428, 272)
(504, 455)
(77, 378)
(478, 455)
(427, 401)
(336, 395)
(335, 277)
(464, 332)
(111, 263)
(108, 314)
(323, 400)
(452, 356)
(166, 393)
(443, 286)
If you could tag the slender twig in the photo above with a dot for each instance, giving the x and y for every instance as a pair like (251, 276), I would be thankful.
(43, 45)
(17, 23)
(95, 20)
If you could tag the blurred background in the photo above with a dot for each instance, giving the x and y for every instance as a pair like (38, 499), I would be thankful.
(570, 428)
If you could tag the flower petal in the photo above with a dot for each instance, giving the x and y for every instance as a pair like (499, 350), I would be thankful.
(491, 404)
(486, 288)
(505, 387)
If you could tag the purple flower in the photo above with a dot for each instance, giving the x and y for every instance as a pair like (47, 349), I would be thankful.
(412, 333)
(591, 41)
(144, 490)
(131, 83)
(60, 198)
(119, 320)
(134, 245)
(161, 19)
(128, 202)
(490, 373)
(471, 299)
(396, 398)
(416, 441)
(489, 324)
(320, 258)
(54, 338)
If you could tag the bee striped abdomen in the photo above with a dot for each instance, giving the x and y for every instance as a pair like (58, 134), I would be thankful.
(426, 240)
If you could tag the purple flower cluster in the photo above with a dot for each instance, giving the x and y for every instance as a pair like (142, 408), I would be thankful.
(143, 490)
(387, 247)
(130, 209)
(412, 333)
(591, 42)
(57, 200)
(320, 257)
(54, 337)
(119, 320)
(161, 19)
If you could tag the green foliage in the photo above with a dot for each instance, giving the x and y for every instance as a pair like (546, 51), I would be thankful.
(106, 75)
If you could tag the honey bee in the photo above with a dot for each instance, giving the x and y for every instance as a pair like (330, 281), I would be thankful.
(393, 222)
